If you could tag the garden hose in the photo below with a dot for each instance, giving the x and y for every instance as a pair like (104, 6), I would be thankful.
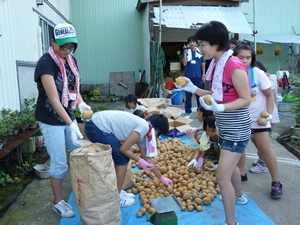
(158, 61)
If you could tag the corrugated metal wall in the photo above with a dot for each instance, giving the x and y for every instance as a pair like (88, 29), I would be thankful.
(274, 17)
(19, 42)
(110, 36)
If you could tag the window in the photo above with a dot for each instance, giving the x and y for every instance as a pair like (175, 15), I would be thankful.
(47, 35)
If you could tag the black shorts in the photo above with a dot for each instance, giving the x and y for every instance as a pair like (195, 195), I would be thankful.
(260, 130)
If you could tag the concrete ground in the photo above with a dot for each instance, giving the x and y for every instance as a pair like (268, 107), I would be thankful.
(33, 206)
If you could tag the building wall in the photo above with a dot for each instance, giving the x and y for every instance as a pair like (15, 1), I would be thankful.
(110, 36)
(19, 41)
(274, 17)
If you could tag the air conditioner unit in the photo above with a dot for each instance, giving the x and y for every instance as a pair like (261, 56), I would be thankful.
(39, 2)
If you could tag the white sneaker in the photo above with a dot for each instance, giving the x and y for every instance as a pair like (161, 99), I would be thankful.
(236, 223)
(259, 169)
(63, 209)
(242, 200)
(126, 195)
(126, 202)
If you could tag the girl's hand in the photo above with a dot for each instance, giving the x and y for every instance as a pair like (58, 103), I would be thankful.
(191, 130)
(199, 163)
(215, 107)
(166, 181)
(189, 87)
(192, 162)
(145, 165)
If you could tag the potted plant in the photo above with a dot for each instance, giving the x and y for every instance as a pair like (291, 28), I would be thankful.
(295, 83)
(95, 94)
(16, 121)
(39, 138)
(5, 126)
(28, 111)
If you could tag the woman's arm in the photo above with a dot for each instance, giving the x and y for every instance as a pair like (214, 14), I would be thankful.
(51, 91)
(201, 92)
(241, 84)
(133, 138)
(270, 100)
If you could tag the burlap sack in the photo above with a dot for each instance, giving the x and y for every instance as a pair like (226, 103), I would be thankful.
(94, 184)
(129, 179)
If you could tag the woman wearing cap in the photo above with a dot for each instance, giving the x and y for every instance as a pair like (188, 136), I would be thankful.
(57, 80)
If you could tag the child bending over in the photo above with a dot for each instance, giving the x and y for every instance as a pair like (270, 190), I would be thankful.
(208, 145)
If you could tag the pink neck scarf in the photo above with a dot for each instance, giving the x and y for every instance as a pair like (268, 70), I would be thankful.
(65, 93)
(215, 73)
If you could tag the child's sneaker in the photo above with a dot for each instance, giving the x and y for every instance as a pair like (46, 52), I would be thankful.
(259, 169)
(244, 177)
(126, 202)
(187, 115)
(236, 223)
(276, 191)
(255, 162)
(63, 209)
(126, 195)
(242, 200)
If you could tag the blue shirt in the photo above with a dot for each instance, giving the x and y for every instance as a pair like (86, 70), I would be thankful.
(194, 70)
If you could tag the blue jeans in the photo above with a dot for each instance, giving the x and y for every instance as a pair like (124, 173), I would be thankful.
(188, 96)
(233, 146)
(95, 135)
(56, 138)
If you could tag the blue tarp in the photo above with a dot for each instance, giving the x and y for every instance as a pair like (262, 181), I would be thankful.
(212, 214)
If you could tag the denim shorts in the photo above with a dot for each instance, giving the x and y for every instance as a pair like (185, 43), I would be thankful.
(233, 146)
(56, 139)
(95, 135)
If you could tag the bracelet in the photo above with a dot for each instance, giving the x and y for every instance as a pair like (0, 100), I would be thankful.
(203, 75)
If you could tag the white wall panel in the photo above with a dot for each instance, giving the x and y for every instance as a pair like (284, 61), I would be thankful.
(19, 41)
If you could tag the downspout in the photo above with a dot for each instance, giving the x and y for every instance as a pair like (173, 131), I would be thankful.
(254, 27)
(39, 40)
(57, 11)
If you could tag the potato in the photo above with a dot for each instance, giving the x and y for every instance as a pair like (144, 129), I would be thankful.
(207, 99)
(206, 201)
(87, 114)
(199, 208)
(139, 214)
(264, 114)
(181, 81)
(262, 122)
(190, 208)
(143, 210)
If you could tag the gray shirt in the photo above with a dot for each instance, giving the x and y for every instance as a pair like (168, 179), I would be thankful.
(121, 124)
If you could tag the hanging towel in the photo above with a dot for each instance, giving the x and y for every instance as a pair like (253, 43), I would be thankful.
(252, 77)
(189, 54)
(215, 73)
(151, 149)
(204, 142)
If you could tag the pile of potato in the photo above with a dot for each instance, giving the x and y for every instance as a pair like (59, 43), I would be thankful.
(188, 183)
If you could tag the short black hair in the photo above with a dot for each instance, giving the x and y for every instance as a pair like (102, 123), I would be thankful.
(245, 45)
(159, 123)
(130, 98)
(215, 33)
(209, 122)
(139, 113)
(261, 66)
(191, 38)
(205, 113)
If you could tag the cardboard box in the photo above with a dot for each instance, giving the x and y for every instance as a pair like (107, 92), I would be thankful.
(175, 66)
(178, 126)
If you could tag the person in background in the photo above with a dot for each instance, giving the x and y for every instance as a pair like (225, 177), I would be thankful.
(260, 164)
(132, 104)
(202, 115)
(232, 44)
(194, 70)
(208, 144)
(57, 79)
(121, 130)
(262, 99)
(230, 101)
